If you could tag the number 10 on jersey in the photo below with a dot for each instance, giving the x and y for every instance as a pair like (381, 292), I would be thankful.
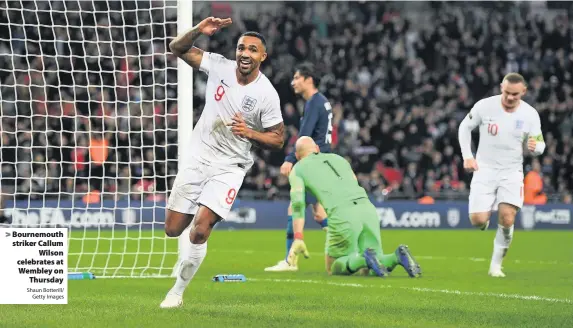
(492, 129)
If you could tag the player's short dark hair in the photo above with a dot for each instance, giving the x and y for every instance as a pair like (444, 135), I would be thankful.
(256, 35)
(308, 70)
(515, 78)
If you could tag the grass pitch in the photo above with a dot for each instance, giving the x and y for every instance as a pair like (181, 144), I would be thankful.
(454, 291)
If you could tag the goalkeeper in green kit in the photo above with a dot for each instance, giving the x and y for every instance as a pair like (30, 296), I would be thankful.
(353, 242)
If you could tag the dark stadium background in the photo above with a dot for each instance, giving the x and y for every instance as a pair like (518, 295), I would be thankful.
(400, 76)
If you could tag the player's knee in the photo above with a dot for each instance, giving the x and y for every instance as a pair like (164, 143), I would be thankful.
(200, 231)
(199, 234)
(479, 219)
(171, 231)
(507, 215)
(203, 223)
(175, 223)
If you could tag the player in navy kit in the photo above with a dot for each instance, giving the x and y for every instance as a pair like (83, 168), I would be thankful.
(316, 123)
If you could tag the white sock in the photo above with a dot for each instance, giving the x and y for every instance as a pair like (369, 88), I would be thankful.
(184, 246)
(191, 259)
(501, 243)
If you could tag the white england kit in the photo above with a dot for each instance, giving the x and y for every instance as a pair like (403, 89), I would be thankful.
(219, 159)
(499, 178)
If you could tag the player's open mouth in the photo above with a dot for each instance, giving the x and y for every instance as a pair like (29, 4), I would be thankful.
(245, 63)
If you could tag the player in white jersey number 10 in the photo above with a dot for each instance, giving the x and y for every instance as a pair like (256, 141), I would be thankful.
(505, 123)
(241, 108)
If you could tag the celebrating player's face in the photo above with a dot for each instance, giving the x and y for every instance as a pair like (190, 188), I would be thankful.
(250, 53)
(511, 93)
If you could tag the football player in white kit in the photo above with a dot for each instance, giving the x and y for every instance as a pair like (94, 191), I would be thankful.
(505, 123)
(241, 108)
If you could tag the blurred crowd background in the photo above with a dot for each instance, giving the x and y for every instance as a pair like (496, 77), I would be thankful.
(89, 90)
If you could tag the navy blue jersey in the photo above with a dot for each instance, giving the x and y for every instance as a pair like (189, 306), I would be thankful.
(316, 122)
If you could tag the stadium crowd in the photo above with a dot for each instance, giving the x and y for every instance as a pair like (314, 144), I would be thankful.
(103, 114)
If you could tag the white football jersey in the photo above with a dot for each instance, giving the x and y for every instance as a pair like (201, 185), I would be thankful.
(502, 134)
(212, 142)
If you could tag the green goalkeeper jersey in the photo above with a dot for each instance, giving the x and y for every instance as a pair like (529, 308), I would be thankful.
(328, 177)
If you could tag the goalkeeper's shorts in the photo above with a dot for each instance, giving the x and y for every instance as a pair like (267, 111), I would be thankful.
(352, 229)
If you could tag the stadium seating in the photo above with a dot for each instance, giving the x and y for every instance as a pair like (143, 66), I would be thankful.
(399, 90)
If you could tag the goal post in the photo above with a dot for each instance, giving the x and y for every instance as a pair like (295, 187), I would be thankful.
(184, 100)
(94, 110)
(184, 85)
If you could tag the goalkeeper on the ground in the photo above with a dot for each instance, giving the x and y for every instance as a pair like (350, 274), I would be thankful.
(353, 241)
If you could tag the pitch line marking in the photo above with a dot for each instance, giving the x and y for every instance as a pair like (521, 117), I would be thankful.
(418, 257)
(425, 290)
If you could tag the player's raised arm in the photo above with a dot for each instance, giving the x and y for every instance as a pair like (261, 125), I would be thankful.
(535, 142)
(470, 122)
(182, 45)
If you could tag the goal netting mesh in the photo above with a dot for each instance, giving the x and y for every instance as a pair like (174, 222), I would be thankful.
(89, 128)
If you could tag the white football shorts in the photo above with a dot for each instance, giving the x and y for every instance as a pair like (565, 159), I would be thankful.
(200, 184)
(490, 187)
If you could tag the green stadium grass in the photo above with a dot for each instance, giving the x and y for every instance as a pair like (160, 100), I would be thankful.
(454, 291)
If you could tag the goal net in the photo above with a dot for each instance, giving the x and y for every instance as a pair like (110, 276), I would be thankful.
(89, 128)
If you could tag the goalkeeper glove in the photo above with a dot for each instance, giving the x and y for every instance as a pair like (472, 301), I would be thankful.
(297, 247)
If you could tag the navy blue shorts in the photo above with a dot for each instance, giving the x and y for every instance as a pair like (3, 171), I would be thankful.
(310, 199)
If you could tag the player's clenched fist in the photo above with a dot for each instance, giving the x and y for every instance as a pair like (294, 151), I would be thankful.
(470, 165)
(210, 25)
(286, 168)
(531, 144)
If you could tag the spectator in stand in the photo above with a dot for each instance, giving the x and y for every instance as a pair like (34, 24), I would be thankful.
(99, 152)
(533, 186)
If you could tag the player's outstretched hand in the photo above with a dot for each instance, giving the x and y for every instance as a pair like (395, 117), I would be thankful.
(286, 168)
(470, 165)
(210, 25)
(531, 144)
(239, 126)
(298, 247)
